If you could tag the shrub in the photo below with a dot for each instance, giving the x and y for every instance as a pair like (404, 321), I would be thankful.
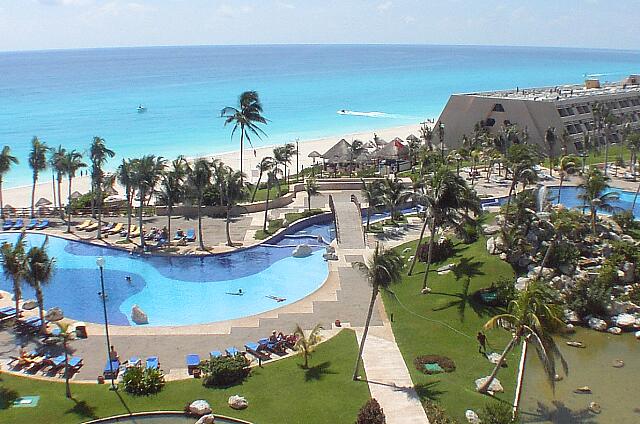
(224, 371)
(371, 413)
(436, 414)
(496, 412)
(470, 233)
(634, 294)
(505, 290)
(445, 363)
(442, 250)
(142, 381)
(564, 253)
(625, 220)
(589, 298)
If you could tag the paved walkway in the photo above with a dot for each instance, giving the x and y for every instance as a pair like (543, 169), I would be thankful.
(349, 224)
(388, 378)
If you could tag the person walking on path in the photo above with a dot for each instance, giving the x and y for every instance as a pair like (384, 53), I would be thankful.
(482, 343)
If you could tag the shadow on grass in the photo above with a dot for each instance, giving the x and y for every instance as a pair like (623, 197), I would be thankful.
(83, 409)
(7, 396)
(428, 391)
(558, 413)
(317, 372)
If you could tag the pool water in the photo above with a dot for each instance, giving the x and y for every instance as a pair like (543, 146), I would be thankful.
(179, 290)
(569, 198)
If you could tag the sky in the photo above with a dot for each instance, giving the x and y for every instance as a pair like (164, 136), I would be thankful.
(56, 24)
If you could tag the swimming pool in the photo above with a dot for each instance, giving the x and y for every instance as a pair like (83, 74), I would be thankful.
(179, 290)
(569, 198)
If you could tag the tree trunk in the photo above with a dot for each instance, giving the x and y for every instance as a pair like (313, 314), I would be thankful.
(415, 255)
(33, 193)
(266, 208)
(200, 221)
(606, 154)
(431, 241)
(99, 236)
(633, 205)
(40, 298)
(229, 242)
(309, 196)
(69, 206)
(53, 188)
(560, 187)
(374, 294)
(485, 387)
(241, 150)
(140, 221)
(1, 201)
(255, 190)
(66, 370)
(129, 201)
(369, 218)
(169, 213)
(60, 197)
(17, 295)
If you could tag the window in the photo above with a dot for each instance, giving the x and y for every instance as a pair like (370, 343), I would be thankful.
(578, 145)
(582, 109)
(588, 126)
(489, 122)
(562, 112)
(498, 107)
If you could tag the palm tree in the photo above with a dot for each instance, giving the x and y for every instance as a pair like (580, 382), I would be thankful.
(263, 167)
(69, 165)
(170, 193)
(312, 188)
(356, 149)
(567, 166)
(199, 179)
(233, 192)
(609, 120)
(531, 317)
(305, 344)
(246, 117)
(633, 143)
(271, 166)
(371, 192)
(66, 335)
(37, 163)
(125, 175)
(55, 161)
(282, 156)
(99, 154)
(38, 273)
(146, 174)
(594, 193)
(14, 266)
(550, 141)
(521, 160)
(426, 134)
(382, 269)
(6, 161)
(394, 195)
(440, 130)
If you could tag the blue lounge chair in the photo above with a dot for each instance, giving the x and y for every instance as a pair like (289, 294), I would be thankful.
(31, 225)
(115, 365)
(18, 224)
(74, 364)
(43, 224)
(191, 235)
(255, 350)
(153, 362)
(8, 224)
(193, 361)
(232, 351)
(215, 354)
(134, 361)
(7, 311)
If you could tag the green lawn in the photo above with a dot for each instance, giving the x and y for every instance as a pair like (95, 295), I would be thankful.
(261, 195)
(276, 224)
(451, 305)
(281, 392)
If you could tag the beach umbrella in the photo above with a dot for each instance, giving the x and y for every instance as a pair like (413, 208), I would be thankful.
(43, 202)
(9, 208)
(412, 137)
(54, 314)
(76, 194)
(29, 304)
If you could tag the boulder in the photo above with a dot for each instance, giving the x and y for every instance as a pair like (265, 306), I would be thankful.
(472, 417)
(490, 230)
(200, 407)
(637, 334)
(524, 261)
(54, 314)
(207, 419)
(566, 269)
(491, 246)
(571, 316)
(627, 238)
(546, 272)
(625, 320)
(446, 268)
(494, 387)
(614, 330)
(597, 324)
(595, 407)
(138, 316)
(302, 251)
(629, 270)
(494, 357)
(521, 283)
(500, 245)
(503, 256)
(238, 402)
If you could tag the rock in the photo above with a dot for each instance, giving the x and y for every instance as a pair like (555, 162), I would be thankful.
(629, 270)
(615, 237)
(571, 316)
(595, 407)
(627, 238)
(200, 407)
(54, 314)
(207, 419)
(524, 261)
(637, 334)
(500, 245)
(138, 316)
(472, 417)
(425, 290)
(546, 272)
(614, 330)
(583, 390)
(490, 230)
(406, 250)
(491, 245)
(570, 329)
(521, 283)
(625, 320)
(503, 256)
(576, 344)
(618, 363)
(447, 267)
(597, 324)
(238, 402)
(29, 304)
(493, 357)
(302, 251)
(566, 269)
(494, 387)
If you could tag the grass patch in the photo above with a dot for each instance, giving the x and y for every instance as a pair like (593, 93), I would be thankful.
(451, 304)
(281, 392)
(261, 194)
(276, 224)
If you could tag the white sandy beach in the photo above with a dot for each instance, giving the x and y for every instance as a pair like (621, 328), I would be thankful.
(20, 197)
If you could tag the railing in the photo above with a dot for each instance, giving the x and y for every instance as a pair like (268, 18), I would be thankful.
(355, 200)
(332, 206)
(47, 212)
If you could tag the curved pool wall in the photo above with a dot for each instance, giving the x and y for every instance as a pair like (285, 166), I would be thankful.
(569, 198)
(162, 417)
(183, 290)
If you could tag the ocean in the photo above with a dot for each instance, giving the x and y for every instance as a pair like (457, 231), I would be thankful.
(68, 96)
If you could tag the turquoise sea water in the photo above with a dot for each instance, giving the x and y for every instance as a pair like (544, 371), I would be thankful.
(67, 97)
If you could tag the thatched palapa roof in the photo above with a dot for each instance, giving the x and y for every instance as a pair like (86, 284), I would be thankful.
(393, 150)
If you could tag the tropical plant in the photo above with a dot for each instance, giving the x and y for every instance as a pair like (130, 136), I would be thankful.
(37, 163)
(147, 171)
(533, 316)
(14, 266)
(312, 187)
(371, 413)
(265, 165)
(170, 193)
(125, 176)
(199, 178)
(142, 381)
(57, 170)
(609, 120)
(595, 194)
(521, 160)
(567, 166)
(633, 143)
(69, 165)
(382, 269)
(355, 150)
(306, 343)
(372, 195)
(394, 195)
(588, 297)
(99, 154)
(225, 371)
(496, 412)
(270, 166)
(7, 160)
(233, 192)
(245, 117)
(65, 336)
(39, 271)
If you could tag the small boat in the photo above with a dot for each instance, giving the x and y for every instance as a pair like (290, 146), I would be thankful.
(141, 109)
(576, 344)
(583, 390)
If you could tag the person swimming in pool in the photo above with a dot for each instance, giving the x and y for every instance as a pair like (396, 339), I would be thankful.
(238, 293)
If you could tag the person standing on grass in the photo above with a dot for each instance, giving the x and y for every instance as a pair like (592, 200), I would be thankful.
(482, 343)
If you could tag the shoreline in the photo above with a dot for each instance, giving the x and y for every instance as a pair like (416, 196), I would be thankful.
(20, 196)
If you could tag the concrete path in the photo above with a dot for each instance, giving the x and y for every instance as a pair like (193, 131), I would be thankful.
(388, 378)
(349, 223)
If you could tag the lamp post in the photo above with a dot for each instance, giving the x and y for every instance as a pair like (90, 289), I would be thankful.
(100, 263)
(297, 160)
